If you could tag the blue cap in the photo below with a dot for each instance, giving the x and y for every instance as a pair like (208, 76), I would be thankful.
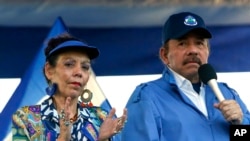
(180, 24)
(91, 51)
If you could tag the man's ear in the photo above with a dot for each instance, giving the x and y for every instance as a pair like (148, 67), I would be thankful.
(163, 53)
(48, 70)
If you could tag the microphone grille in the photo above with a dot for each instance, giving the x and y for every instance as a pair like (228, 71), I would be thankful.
(206, 73)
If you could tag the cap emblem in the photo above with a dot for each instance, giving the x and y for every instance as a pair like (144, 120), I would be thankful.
(190, 21)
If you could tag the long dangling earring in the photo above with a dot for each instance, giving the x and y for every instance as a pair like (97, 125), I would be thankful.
(51, 89)
(86, 101)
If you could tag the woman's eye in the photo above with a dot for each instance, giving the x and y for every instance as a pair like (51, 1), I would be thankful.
(69, 64)
(85, 67)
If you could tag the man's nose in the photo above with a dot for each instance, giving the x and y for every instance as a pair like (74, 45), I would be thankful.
(193, 50)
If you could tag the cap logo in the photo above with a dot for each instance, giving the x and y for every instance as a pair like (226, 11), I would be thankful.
(190, 21)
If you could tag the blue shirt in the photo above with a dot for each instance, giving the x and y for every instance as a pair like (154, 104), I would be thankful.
(159, 111)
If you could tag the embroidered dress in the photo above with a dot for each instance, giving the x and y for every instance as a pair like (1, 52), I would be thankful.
(41, 123)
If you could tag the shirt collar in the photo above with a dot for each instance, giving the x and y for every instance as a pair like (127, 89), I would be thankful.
(180, 80)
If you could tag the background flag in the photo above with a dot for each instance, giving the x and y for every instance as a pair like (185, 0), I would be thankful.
(32, 86)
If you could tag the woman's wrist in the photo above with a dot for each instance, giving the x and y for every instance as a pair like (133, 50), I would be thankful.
(102, 140)
(61, 138)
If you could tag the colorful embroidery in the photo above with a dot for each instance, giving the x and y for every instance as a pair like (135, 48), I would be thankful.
(101, 113)
(40, 123)
(27, 122)
(91, 130)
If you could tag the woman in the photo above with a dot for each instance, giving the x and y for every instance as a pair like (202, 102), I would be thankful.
(63, 117)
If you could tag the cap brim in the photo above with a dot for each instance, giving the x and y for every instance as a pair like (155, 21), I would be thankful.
(91, 51)
(200, 30)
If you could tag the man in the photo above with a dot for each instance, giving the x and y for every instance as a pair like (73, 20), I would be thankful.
(178, 106)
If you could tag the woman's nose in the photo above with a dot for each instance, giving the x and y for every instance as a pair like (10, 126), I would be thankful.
(78, 71)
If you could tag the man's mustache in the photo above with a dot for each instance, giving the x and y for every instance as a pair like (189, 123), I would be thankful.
(192, 59)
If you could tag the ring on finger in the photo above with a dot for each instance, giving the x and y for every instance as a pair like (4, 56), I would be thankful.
(117, 132)
(66, 123)
(119, 121)
(62, 114)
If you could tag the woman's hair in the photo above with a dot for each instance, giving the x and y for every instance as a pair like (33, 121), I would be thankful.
(54, 42)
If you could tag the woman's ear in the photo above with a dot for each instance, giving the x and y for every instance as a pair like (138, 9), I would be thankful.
(48, 70)
(163, 53)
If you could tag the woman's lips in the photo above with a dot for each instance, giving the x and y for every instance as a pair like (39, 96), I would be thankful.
(76, 83)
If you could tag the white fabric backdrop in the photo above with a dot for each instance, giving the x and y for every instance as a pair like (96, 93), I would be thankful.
(117, 89)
